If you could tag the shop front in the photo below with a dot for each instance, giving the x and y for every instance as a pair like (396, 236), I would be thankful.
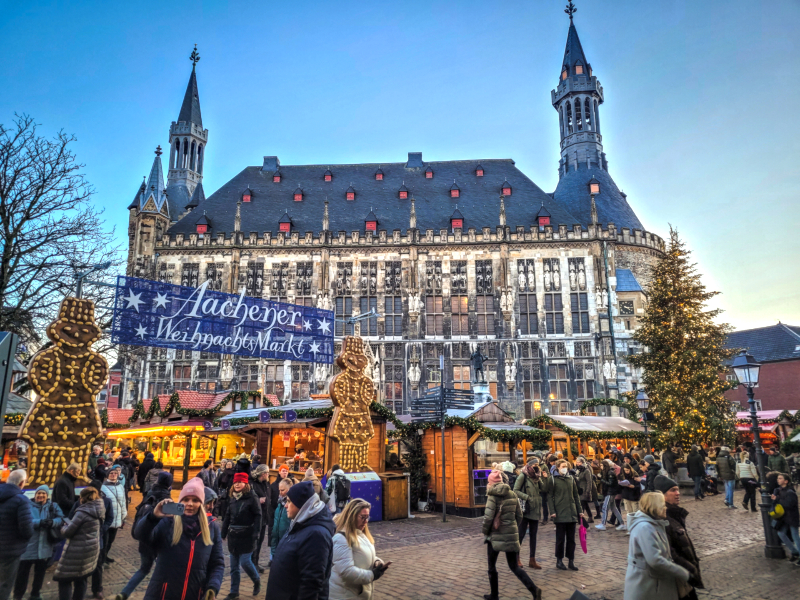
(775, 425)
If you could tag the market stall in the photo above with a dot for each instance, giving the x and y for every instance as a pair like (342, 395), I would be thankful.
(776, 425)
(587, 435)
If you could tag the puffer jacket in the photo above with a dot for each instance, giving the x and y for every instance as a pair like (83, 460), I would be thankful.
(695, 464)
(651, 574)
(787, 498)
(530, 491)
(16, 525)
(39, 547)
(681, 545)
(726, 466)
(151, 479)
(280, 524)
(586, 484)
(653, 471)
(242, 523)
(746, 470)
(610, 481)
(187, 570)
(83, 541)
(776, 462)
(506, 537)
(563, 498)
(351, 573)
(116, 493)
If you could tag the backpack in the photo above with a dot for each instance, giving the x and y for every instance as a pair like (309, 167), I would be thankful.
(341, 487)
(141, 511)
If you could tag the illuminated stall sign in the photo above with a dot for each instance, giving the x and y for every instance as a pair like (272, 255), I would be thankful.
(151, 313)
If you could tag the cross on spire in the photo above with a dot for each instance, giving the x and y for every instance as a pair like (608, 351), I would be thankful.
(195, 57)
(570, 10)
(158, 151)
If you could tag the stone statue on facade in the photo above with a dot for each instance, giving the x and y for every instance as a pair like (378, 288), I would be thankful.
(605, 299)
(414, 375)
(581, 276)
(478, 358)
(521, 279)
(548, 277)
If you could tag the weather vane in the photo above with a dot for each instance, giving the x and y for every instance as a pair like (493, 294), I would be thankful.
(195, 57)
(570, 10)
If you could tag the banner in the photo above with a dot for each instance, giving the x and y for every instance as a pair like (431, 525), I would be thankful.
(151, 313)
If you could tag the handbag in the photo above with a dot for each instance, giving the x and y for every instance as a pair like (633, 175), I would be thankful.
(582, 535)
(496, 521)
(53, 534)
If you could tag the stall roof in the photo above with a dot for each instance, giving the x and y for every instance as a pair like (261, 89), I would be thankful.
(764, 415)
(177, 426)
(508, 426)
(587, 423)
(305, 405)
(464, 413)
(119, 415)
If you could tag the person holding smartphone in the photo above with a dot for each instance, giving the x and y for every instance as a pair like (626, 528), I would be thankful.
(355, 565)
(190, 561)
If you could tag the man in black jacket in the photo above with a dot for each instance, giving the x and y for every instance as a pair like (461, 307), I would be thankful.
(16, 528)
(302, 567)
(651, 469)
(259, 481)
(64, 489)
(697, 471)
(147, 464)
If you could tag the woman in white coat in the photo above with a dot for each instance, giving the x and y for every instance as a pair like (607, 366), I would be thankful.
(651, 575)
(355, 566)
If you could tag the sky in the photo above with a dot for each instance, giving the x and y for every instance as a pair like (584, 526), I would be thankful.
(698, 98)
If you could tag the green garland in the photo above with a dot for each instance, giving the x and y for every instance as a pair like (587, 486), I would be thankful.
(473, 425)
(629, 405)
(174, 405)
(543, 421)
(13, 418)
(784, 415)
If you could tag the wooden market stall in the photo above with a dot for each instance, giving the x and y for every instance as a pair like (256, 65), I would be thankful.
(473, 440)
(776, 425)
(589, 435)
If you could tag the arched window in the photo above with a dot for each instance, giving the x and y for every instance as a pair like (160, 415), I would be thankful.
(193, 157)
(587, 114)
(176, 158)
(185, 159)
(569, 117)
(596, 118)
(578, 117)
(200, 158)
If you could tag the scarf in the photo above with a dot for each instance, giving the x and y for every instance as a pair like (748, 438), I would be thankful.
(191, 525)
(529, 472)
(237, 495)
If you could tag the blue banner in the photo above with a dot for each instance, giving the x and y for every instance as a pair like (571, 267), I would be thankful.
(151, 313)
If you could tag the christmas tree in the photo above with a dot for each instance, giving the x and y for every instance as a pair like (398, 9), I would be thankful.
(684, 354)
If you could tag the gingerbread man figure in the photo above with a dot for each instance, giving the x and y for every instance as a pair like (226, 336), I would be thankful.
(63, 423)
(352, 392)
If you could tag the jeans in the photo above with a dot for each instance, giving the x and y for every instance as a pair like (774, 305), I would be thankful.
(793, 542)
(146, 564)
(72, 589)
(698, 489)
(511, 560)
(8, 572)
(534, 528)
(729, 487)
(750, 494)
(565, 533)
(246, 562)
(608, 503)
(21, 584)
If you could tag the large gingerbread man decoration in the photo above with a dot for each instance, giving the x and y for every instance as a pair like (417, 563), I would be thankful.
(352, 392)
(63, 423)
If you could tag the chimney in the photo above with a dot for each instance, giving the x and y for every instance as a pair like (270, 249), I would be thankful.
(414, 160)
(271, 163)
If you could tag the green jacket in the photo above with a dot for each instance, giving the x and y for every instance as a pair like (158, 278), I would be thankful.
(563, 498)
(506, 538)
(776, 462)
(529, 490)
(280, 526)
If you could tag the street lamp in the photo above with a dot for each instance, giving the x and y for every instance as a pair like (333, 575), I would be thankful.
(91, 269)
(644, 403)
(746, 369)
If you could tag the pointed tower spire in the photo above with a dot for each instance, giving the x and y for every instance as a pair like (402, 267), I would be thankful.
(197, 197)
(412, 219)
(190, 109)
(325, 216)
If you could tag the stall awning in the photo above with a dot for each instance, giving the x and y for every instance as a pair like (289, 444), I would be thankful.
(765, 427)
(158, 429)
(587, 423)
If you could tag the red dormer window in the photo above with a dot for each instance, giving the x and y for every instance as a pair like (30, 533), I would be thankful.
(457, 223)
(564, 74)
(544, 220)
(247, 195)
(298, 195)
(328, 177)
(286, 227)
(276, 178)
(351, 195)
(371, 225)
(378, 176)
(403, 195)
(506, 189)
(454, 193)
(428, 173)
(202, 228)
(578, 69)
(479, 172)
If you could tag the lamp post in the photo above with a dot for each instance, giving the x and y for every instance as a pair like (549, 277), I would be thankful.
(644, 402)
(746, 369)
(92, 269)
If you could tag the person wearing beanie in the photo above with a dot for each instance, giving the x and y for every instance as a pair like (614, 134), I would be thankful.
(190, 561)
(528, 487)
(241, 527)
(259, 482)
(680, 544)
(224, 483)
(114, 489)
(318, 489)
(301, 566)
(650, 470)
(108, 505)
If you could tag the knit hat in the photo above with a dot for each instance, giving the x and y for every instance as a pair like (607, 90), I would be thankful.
(300, 493)
(664, 484)
(96, 484)
(116, 466)
(649, 459)
(495, 477)
(260, 469)
(43, 488)
(211, 495)
(241, 478)
(194, 487)
(310, 475)
(164, 479)
(507, 466)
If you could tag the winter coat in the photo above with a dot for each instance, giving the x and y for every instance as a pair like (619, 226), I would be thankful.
(186, 570)
(695, 464)
(16, 524)
(776, 462)
(39, 547)
(156, 494)
(563, 499)
(653, 471)
(225, 480)
(669, 459)
(80, 554)
(302, 568)
(746, 470)
(64, 492)
(610, 481)
(330, 488)
(681, 546)
(787, 498)
(93, 461)
(651, 574)
(243, 466)
(147, 464)
(242, 523)
(208, 477)
(261, 490)
(280, 525)
(585, 482)
(116, 493)
(530, 491)
(631, 494)
(726, 466)
(351, 573)
(506, 537)
(151, 479)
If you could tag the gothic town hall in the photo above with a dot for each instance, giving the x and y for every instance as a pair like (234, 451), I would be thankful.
(451, 255)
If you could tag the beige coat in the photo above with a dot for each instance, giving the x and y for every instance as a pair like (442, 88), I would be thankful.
(351, 574)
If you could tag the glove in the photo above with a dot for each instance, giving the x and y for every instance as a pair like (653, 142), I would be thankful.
(210, 595)
(377, 572)
(45, 524)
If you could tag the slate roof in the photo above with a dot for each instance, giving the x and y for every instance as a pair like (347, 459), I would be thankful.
(190, 109)
(177, 199)
(198, 196)
(767, 344)
(479, 199)
(17, 404)
(573, 53)
(572, 193)
(626, 281)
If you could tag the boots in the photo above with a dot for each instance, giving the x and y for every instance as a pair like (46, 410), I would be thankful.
(493, 586)
(533, 564)
(571, 566)
(560, 564)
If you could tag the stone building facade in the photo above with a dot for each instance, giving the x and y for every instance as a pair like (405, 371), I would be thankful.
(452, 255)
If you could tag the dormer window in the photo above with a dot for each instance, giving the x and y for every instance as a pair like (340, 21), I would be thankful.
(328, 175)
(247, 195)
(203, 225)
(479, 171)
(455, 192)
(403, 193)
(543, 217)
(578, 69)
(285, 224)
(378, 175)
(276, 178)
(298, 195)
(350, 193)
(594, 186)
(456, 219)
(506, 188)
(564, 74)
(371, 222)
(428, 173)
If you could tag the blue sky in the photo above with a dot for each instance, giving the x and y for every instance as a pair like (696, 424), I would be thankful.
(696, 123)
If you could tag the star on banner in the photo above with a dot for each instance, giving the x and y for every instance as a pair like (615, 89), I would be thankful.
(133, 300)
(324, 325)
(141, 331)
(161, 300)
(306, 325)
(314, 347)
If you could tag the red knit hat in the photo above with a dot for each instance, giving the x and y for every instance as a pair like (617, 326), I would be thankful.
(240, 478)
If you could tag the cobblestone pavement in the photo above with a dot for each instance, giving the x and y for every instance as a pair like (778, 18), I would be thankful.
(435, 560)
